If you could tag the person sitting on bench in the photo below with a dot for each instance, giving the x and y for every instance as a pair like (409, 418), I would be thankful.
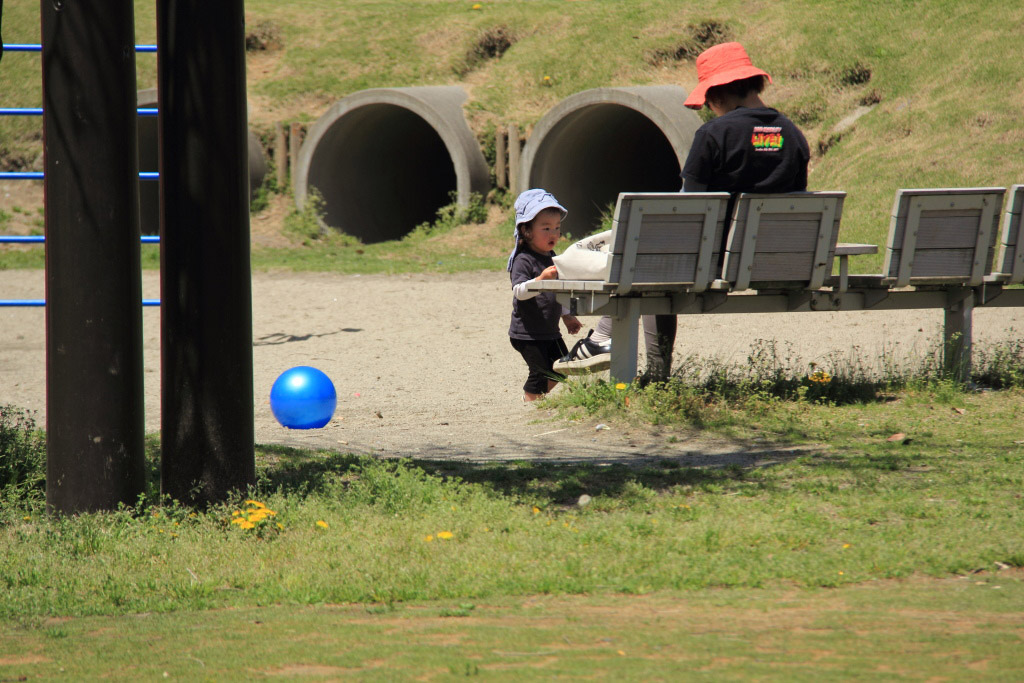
(747, 147)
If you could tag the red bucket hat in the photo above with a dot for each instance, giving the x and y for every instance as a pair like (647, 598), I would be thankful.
(718, 65)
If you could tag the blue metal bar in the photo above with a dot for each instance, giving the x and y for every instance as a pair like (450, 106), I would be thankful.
(21, 175)
(38, 111)
(24, 111)
(42, 302)
(35, 47)
(38, 175)
(36, 239)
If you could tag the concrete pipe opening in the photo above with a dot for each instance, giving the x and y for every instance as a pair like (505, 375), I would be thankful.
(149, 161)
(598, 143)
(385, 160)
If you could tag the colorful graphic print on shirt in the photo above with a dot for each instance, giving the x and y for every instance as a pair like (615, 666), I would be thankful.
(766, 138)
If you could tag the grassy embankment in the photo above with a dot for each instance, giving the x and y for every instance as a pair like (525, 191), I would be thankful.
(941, 77)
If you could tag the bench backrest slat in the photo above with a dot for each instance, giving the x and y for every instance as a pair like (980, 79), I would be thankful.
(1011, 248)
(660, 238)
(942, 235)
(783, 240)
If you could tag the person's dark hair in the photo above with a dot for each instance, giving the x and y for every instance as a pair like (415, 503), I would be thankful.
(738, 89)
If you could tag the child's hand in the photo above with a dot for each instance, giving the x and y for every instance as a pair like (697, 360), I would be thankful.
(549, 273)
(572, 324)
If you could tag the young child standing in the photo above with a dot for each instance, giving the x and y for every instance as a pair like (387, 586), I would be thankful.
(533, 330)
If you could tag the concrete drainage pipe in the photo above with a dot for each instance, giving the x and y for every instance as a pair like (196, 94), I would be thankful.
(385, 160)
(149, 190)
(600, 142)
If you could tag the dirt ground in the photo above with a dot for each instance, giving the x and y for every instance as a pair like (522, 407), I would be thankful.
(423, 367)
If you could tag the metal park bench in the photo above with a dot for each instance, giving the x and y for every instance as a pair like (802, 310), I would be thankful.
(779, 257)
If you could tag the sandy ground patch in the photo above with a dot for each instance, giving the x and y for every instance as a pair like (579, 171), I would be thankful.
(423, 366)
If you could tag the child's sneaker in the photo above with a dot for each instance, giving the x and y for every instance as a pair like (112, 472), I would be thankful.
(586, 356)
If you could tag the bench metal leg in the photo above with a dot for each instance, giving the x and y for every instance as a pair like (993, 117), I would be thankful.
(624, 340)
(957, 335)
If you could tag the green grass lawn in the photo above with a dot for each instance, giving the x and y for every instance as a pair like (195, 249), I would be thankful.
(964, 628)
(862, 532)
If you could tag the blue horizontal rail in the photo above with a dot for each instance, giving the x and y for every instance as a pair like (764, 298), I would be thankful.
(37, 239)
(38, 175)
(38, 111)
(42, 302)
(36, 47)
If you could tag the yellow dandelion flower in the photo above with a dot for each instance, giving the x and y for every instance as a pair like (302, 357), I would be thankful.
(236, 513)
(536, 510)
(445, 535)
(255, 503)
(246, 524)
(239, 521)
(26, 518)
(428, 538)
(620, 386)
(322, 524)
(477, 6)
(845, 546)
(280, 526)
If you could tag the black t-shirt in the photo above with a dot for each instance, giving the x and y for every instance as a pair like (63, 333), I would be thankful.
(749, 150)
(535, 318)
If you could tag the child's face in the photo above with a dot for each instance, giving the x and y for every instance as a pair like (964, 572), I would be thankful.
(544, 232)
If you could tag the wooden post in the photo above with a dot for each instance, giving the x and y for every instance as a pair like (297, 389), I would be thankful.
(94, 386)
(294, 143)
(281, 155)
(205, 283)
(499, 158)
(513, 159)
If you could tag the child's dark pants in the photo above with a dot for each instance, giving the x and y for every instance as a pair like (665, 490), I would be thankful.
(540, 356)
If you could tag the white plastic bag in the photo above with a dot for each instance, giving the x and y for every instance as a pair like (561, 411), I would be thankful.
(587, 259)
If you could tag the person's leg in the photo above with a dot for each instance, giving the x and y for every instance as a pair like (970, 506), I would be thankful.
(554, 350)
(590, 354)
(659, 338)
(538, 357)
(603, 332)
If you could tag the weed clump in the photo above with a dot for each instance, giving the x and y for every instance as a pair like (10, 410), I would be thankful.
(265, 35)
(22, 454)
(855, 74)
(699, 37)
(490, 44)
(451, 216)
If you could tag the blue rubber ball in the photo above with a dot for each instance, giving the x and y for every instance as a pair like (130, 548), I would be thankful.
(303, 398)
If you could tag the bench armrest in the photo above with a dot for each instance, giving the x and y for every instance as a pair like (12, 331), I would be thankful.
(844, 250)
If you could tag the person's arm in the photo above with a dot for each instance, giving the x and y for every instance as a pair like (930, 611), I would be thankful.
(699, 163)
(519, 288)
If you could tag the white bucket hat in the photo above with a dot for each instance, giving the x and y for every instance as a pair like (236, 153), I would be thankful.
(528, 205)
